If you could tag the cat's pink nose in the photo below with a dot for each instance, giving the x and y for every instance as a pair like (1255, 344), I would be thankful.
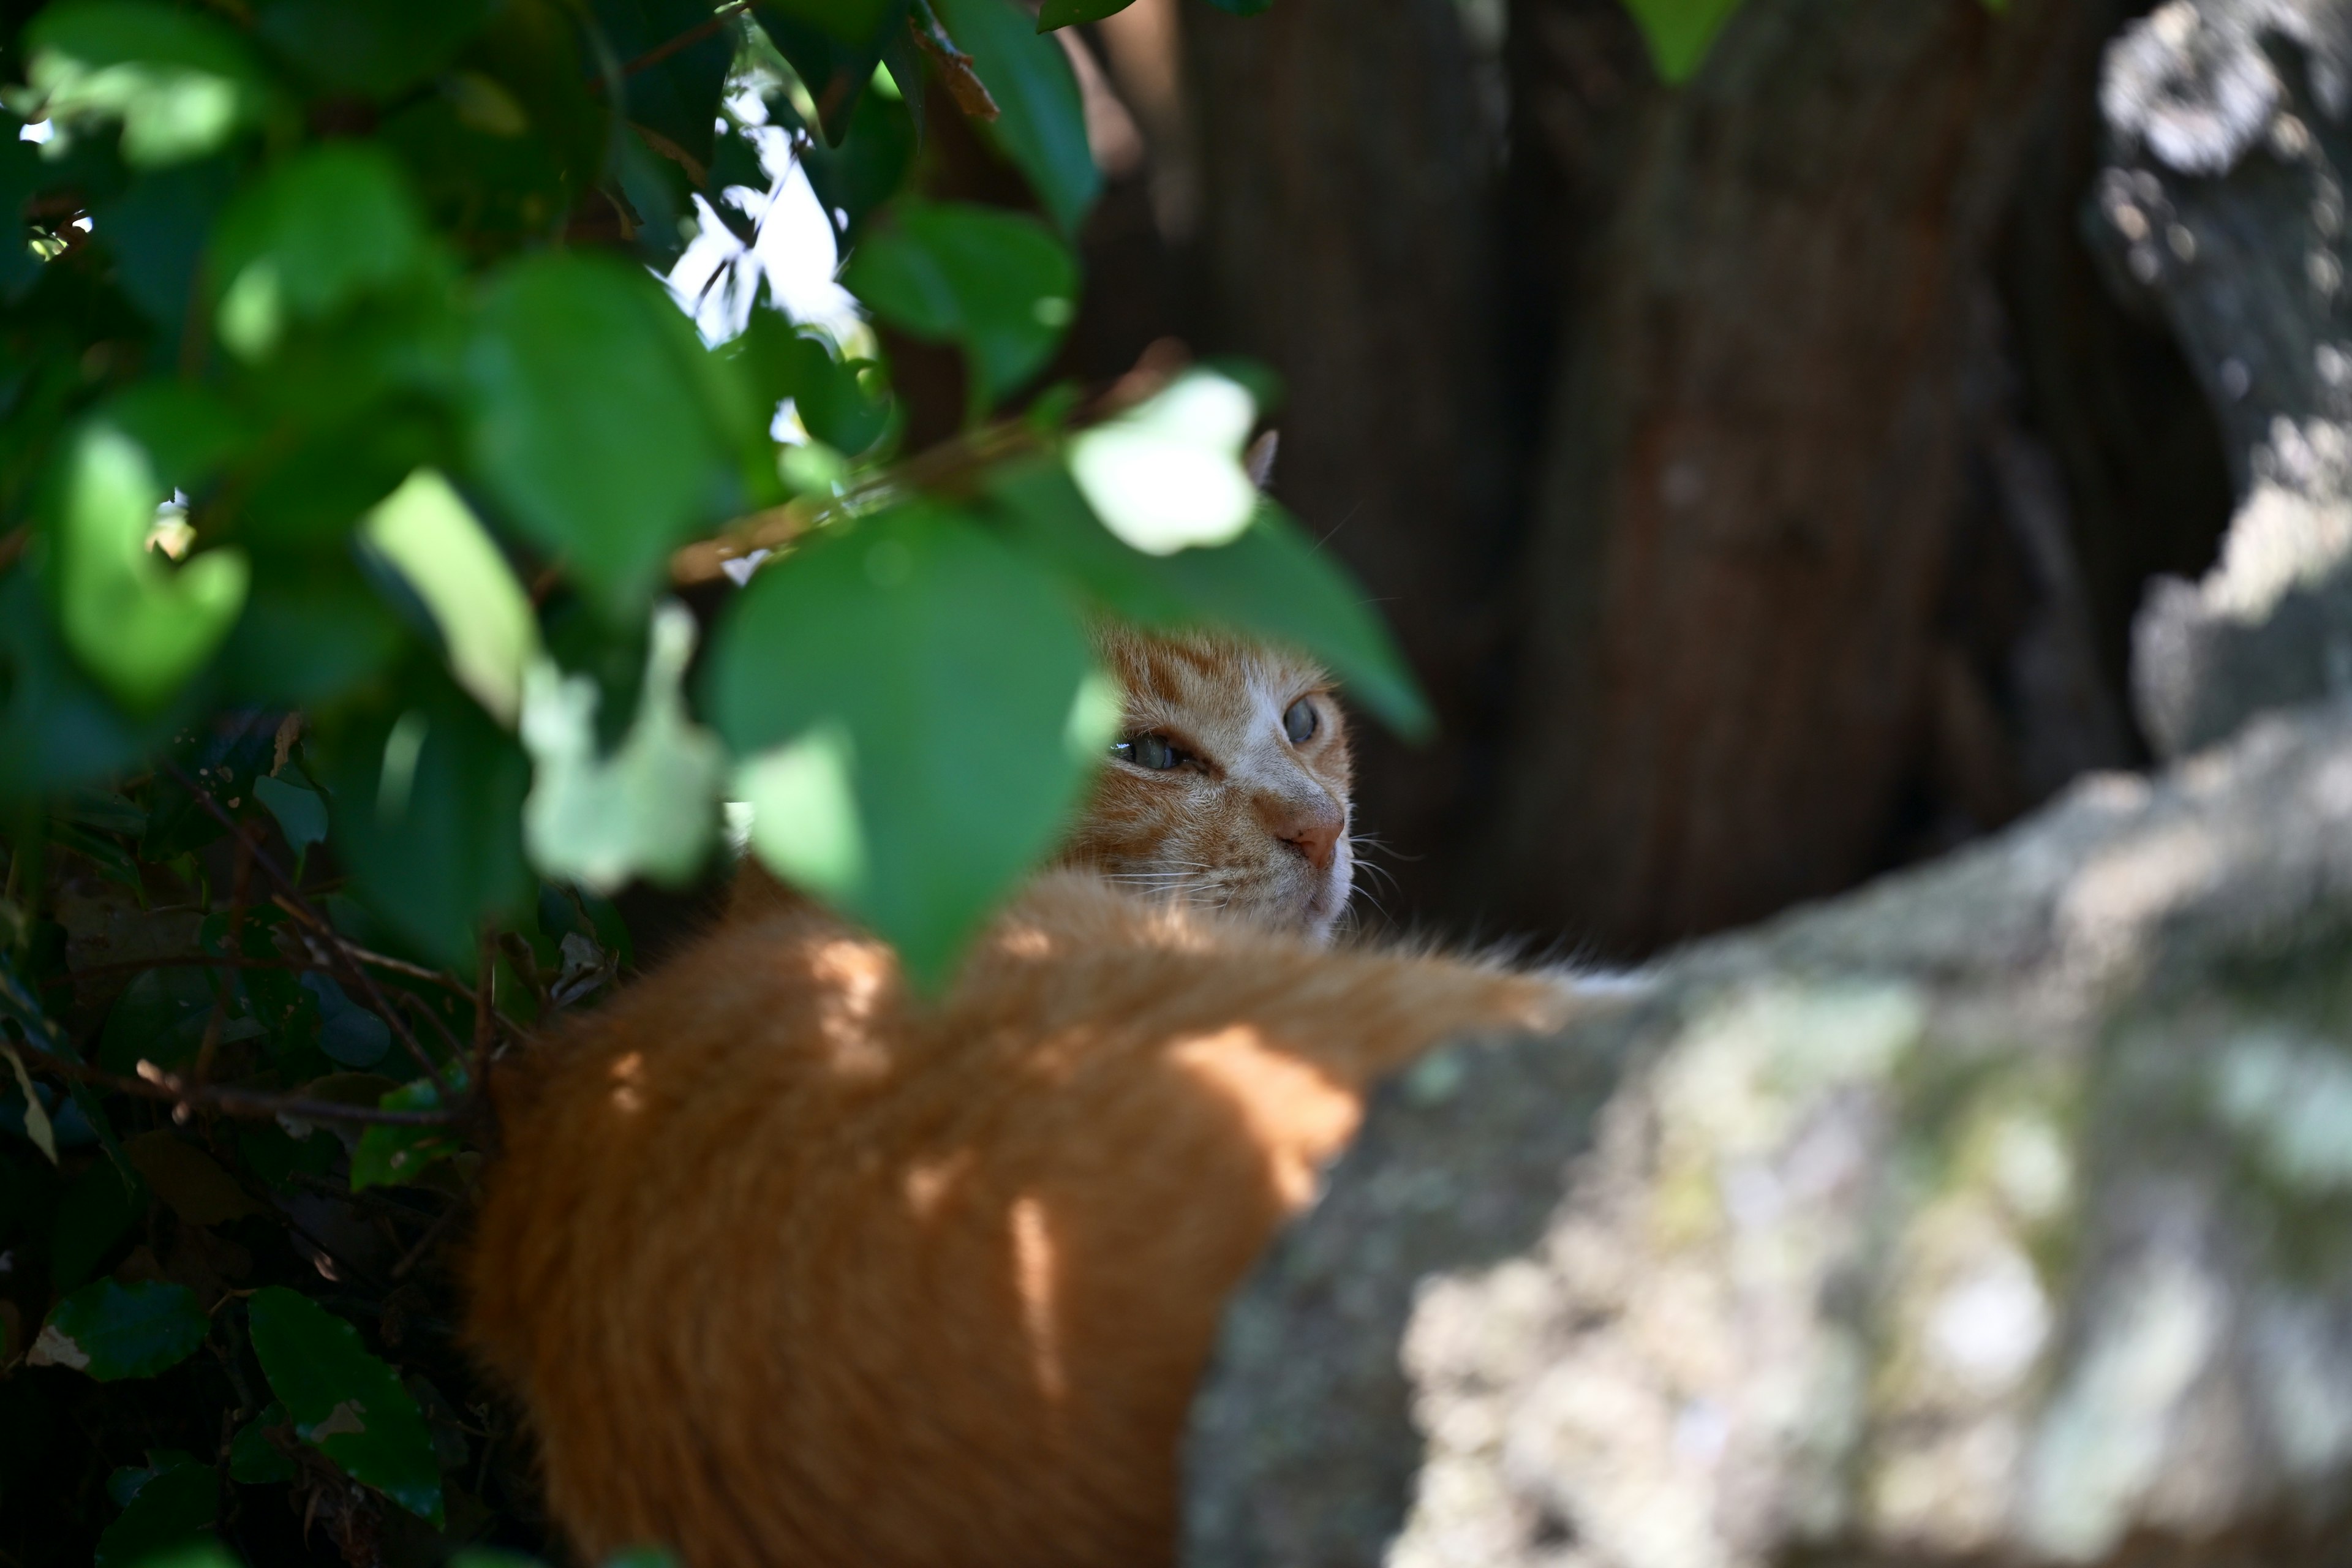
(1312, 830)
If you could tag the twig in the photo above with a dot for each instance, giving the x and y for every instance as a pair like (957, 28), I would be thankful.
(301, 907)
(154, 1083)
(971, 93)
(685, 40)
(432, 1233)
(943, 467)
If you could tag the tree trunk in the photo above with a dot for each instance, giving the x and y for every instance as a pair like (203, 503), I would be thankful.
(1344, 240)
(1753, 456)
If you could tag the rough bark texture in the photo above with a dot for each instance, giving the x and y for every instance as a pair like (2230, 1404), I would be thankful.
(1997, 1214)
(1345, 241)
(2225, 201)
(1753, 453)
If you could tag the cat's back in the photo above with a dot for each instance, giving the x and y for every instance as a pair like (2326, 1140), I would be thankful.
(789, 1266)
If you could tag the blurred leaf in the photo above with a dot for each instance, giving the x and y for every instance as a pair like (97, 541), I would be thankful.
(374, 47)
(1270, 583)
(650, 808)
(36, 1115)
(349, 1034)
(677, 95)
(113, 1331)
(160, 1017)
(832, 55)
(187, 1179)
(167, 1508)
(343, 1401)
(661, 195)
(868, 166)
(426, 532)
(57, 729)
(156, 229)
(1041, 122)
(599, 420)
(198, 1555)
(391, 1156)
(851, 21)
(100, 1206)
(779, 361)
(275, 1156)
(312, 630)
(1056, 14)
(253, 1459)
(181, 83)
(944, 681)
(998, 285)
(1680, 31)
(335, 224)
(301, 815)
(426, 818)
(137, 624)
(1168, 474)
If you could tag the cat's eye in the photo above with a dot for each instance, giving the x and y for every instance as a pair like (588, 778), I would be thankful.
(1301, 722)
(1156, 752)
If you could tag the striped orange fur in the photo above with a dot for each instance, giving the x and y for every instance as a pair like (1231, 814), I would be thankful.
(789, 1266)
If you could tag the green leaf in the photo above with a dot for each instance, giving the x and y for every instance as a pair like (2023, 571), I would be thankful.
(57, 729)
(373, 47)
(427, 818)
(1269, 583)
(1680, 31)
(1041, 122)
(312, 630)
(156, 231)
(435, 542)
(114, 1331)
(1167, 474)
(331, 225)
(345, 1402)
(1056, 14)
(160, 1017)
(649, 809)
(392, 1156)
(301, 814)
(998, 285)
(921, 710)
(779, 361)
(349, 1034)
(253, 1459)
(141, 628)
(181, 83)
(103, 1203)
(867, 169)
(599, 420)
(833, 58)
(168, 1507)
(200, 1554)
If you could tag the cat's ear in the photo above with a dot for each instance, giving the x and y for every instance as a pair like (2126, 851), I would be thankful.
(1259, 459)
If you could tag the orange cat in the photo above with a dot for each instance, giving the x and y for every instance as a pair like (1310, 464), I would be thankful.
(791, 1268)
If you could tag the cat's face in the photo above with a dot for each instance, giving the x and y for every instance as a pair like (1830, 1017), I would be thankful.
(1229, 786)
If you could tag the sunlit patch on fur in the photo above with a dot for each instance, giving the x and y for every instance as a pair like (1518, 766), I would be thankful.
(1026, 943)
(851, 976)
(1032, 1263)
(628, 1083)
(929, 1181)
(1295, 1114)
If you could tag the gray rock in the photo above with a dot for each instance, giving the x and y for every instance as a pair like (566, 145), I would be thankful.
(2000, 1211)
(2223, 207)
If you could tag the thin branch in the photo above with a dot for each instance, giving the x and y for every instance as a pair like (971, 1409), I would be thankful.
(685, 40)
(301, 909)
(154, 1083)
(432, 1233)
(971, 93)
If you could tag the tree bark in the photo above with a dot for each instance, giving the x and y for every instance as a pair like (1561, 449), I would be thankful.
(1344, 240)
(1753, 453)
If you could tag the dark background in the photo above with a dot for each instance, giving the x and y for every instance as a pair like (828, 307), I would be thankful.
(1761, 473)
